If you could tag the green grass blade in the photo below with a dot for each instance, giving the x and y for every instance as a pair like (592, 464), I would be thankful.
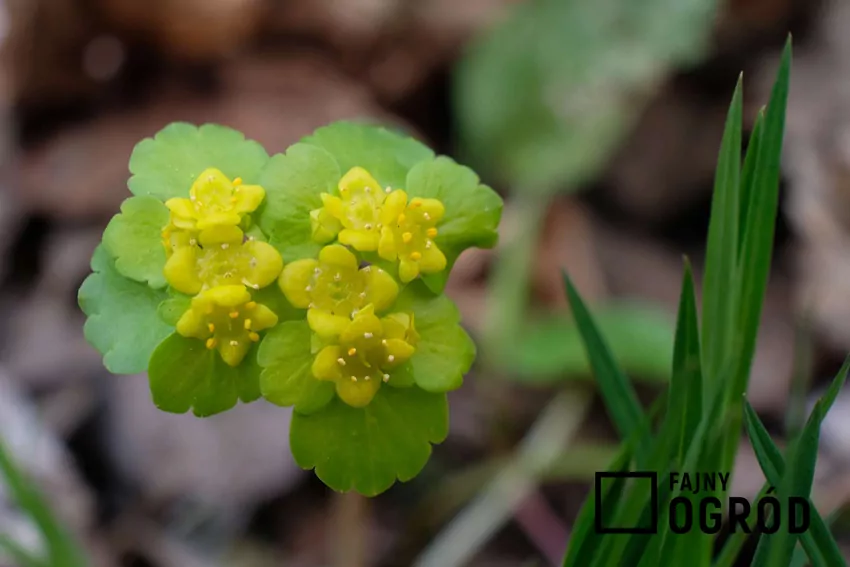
(760, 226)
(635, 506)
(585, 542)
(721, 256)
(757, 249)
(684, 410)
(777, 549)
(17, 553)
(63, 551)
(620, 398)
(749, 174)
(772, 463)
(728, 556)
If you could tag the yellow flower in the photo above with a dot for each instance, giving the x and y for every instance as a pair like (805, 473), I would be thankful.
(364, 358)
(174, 238)
(354, 216)
(334, 287)
(223, 258)
(226, 319)
(214, 200)
(408, 232)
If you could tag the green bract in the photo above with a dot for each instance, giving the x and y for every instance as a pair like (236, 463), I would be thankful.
(312, 278)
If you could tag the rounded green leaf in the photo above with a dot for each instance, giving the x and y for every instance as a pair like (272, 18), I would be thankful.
(134, 238)
(444, 352)
(184, 375)
(287, 378)
(473, 210)
(166, 165)
(174, 307)
(367, 449)
(293, 183)
(122, 316)
(387, 155)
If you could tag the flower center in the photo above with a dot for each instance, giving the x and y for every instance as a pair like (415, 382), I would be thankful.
(339, 290)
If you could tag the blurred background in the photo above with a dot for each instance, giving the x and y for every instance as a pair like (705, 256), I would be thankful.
(599, 123)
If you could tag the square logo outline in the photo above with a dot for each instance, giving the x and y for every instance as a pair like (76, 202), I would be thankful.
(652, 529)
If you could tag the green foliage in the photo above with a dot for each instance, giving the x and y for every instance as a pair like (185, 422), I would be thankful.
(710, 371)
(134, 239)
(61, 549)
(184, 375)
(122, 316)
(546, 96)
(640, 338)
(287, 378)
(294, 181)
(473, 210)
(367, 449)
(166, 165)
(214, 216)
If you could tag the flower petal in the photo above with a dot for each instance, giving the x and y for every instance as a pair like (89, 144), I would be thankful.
(294, 280)
(181, 271)
(333, 205)
(433, 260)
(381, 288)
(325, 325)
(191, 324)
(393, 206)
(247, 198)
(232, 354)
(323, 226)
(181, 208)
(357, 180)
(365, 241)
(219, 234)
(227, 295)
(434, 208)
(357, 394)
(408, 270)
(262, 318)
(325, 365)
(400, 350)
(386, 245)
(215, 219)
(268, 262)
(362, 324)
(336, 255)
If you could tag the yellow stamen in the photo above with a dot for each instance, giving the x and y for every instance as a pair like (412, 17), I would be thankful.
(211, 327)
(254, 336)
(401, 218)
(415, 256)
(211, 343)
(415, 204)
(234, 314)
(352, 351)
(251, 304)
(237, 182)
(407, 237)
(431, 232)
(247, 323)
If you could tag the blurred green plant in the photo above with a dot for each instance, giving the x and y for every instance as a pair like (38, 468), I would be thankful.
(542, 102)
(60, 548)
(711, 364)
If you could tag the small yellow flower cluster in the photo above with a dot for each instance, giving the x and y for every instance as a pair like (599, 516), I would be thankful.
(342, 300)
(371, 219)
(210, 257)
